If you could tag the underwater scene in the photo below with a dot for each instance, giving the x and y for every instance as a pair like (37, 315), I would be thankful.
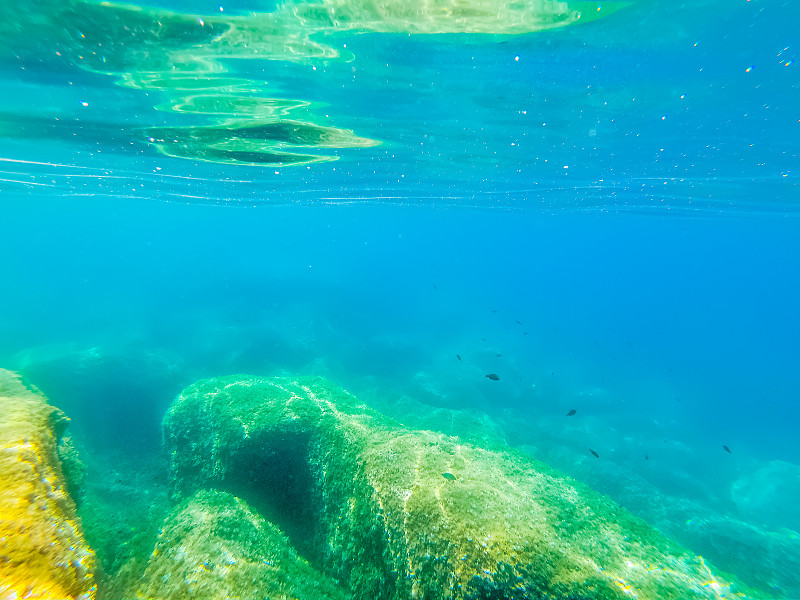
(400, 300)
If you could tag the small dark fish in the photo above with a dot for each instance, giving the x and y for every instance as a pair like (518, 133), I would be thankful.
(595, 454)
(524, 333)
(449, 476)
(728, 450)
(494, 311)
(435, 287)
(518, 323)
(493, 376)
(571, 412)
(646, 457)
(498, 355)
(458, 356)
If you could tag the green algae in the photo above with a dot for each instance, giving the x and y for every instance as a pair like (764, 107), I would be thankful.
(214, 546)
(369, 506)
(123, 506)
(72, 468)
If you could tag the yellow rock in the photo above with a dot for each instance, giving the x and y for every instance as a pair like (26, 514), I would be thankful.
(42, 550)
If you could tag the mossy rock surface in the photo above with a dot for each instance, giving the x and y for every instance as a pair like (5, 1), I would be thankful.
(393, 513)
(43, 553)
(213, 545)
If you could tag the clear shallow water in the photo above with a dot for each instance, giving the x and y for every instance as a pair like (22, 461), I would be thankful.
(604, 214)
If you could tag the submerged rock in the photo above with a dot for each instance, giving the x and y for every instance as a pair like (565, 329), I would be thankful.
(73, 469)
(365, 499)
(214, 546)
(769, 494)
(117, 395)
(42, 550)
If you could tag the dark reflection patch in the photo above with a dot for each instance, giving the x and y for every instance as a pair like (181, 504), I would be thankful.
(267, 143)
(239, 157)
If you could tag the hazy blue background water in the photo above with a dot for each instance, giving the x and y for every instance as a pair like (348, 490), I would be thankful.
(693, 320)
(604, 215)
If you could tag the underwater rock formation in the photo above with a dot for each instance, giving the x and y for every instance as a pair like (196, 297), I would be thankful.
(42, 550)
(72, 468)
(86, 379)
(393, 513)
(214, 546)
(769, 494)
(762, 558)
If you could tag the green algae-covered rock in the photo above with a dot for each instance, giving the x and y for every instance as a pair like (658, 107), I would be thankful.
(394, 513)
(214, 546)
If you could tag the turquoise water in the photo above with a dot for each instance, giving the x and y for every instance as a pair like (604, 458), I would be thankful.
(601, 210)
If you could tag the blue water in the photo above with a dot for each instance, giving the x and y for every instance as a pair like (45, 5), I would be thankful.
(604, 214)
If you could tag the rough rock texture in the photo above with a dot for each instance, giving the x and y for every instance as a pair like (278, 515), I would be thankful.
(42, 550)
(764, 559)
(214, 546)
(394, 513)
